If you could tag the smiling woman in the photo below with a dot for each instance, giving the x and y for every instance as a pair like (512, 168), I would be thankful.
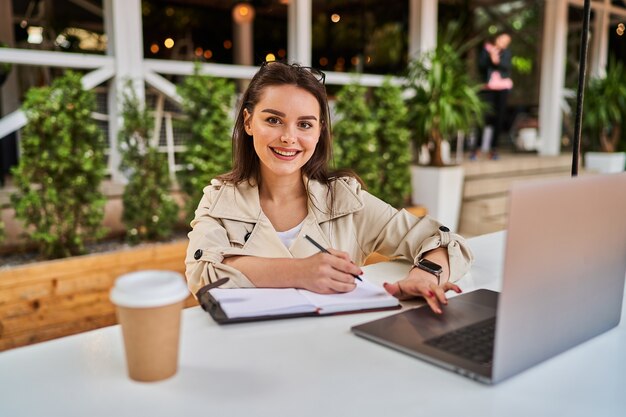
(251, 223)
(283, 131)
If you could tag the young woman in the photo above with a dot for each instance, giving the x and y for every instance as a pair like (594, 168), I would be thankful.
(251, 223)
(494, 65)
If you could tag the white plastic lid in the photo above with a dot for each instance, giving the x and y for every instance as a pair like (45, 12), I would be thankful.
(149, 288)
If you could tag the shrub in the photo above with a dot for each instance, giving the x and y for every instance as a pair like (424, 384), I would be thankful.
(394, 143)
(355, 144)
(61, 167)
(208, 103)
(150, 212)
(604, 108)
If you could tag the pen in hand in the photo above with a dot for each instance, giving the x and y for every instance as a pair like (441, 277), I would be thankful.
(322, 249)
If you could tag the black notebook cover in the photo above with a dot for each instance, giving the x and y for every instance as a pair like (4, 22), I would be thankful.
(212, 306)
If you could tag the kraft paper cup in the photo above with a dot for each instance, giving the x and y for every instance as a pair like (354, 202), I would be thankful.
(148, 306)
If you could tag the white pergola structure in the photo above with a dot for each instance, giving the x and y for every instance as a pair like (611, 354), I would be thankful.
(124, 60)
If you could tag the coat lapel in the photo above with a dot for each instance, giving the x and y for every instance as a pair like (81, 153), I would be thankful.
(241, 203)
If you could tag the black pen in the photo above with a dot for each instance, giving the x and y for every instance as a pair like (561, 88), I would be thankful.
(322, 249)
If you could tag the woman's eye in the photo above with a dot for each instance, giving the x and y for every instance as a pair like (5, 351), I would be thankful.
(273, 120)
(306, 125)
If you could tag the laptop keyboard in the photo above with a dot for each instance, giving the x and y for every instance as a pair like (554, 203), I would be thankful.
(473, 342)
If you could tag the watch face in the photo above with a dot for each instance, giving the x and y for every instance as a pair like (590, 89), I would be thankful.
(435, 268)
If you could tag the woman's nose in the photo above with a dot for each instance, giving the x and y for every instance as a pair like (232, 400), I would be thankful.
(288, 136)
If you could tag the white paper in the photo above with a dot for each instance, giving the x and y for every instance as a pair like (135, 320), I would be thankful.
(365, 296)
(254, 302)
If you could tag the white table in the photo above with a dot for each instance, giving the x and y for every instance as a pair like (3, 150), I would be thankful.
(306, 367)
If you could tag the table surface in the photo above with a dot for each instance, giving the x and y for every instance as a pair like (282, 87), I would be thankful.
(307, 367)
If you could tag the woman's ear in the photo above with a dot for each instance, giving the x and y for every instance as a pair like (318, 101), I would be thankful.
(246, 121)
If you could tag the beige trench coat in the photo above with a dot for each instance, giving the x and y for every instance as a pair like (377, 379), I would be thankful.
(229, 221)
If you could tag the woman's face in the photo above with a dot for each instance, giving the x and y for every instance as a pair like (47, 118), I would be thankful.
(285, 128)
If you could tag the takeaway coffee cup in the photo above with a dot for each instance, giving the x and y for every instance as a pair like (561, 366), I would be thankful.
(148, 305)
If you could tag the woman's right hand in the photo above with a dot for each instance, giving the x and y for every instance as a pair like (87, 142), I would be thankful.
(328, 273)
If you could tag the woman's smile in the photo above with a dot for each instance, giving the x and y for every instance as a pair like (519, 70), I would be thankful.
(284, 153)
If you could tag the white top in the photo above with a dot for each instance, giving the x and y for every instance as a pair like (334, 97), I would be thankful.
(307, 367)
(288, 236)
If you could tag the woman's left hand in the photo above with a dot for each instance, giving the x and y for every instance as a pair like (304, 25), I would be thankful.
(422, 284)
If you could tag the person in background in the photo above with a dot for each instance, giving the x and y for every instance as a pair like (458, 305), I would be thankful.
(494, 63)
(251, 223)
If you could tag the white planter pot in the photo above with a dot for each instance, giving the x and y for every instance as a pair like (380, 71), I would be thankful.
(440, 190)
(605, 162)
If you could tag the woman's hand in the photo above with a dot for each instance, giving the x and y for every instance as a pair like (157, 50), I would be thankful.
(420, 283)
(328, 273)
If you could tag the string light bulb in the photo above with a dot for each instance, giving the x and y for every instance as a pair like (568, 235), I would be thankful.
(243, 13)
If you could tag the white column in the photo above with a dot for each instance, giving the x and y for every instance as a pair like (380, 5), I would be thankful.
(8, 91)
(552, 76)
(422, 26)
(292, 33)
(123, 24)
(600, 42)
(243, 34)
(299, 28)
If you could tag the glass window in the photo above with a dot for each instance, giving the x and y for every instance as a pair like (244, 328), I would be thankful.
(204, 30)
(617, 38)
(59, 26)
(575, 25)
(187, 30)
(360, 36)
(270, 31)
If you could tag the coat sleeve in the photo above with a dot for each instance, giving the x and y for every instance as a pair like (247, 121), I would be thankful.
(383, 229)
(208, 246)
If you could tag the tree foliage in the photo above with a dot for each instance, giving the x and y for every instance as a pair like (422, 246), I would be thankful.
(207, 102)
(393, 137)
(150, 213)
(355, 144)
(61, 167)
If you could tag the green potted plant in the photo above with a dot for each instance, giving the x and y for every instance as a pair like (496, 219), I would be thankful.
(443, 101)
(604, 112)
(355, 144)
(62, 165)
(371, 138)
(150, 213)
(207, 102)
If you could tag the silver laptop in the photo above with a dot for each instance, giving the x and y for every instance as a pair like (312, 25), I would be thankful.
(563, 283)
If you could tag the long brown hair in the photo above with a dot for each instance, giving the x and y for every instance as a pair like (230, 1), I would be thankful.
(246, 163)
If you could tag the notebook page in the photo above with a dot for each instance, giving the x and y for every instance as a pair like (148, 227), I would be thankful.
(365, 296)
(253, 302)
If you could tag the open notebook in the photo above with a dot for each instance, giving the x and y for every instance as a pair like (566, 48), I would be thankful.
(252, 304)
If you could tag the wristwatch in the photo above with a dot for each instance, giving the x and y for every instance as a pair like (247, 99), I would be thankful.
(430, 267)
